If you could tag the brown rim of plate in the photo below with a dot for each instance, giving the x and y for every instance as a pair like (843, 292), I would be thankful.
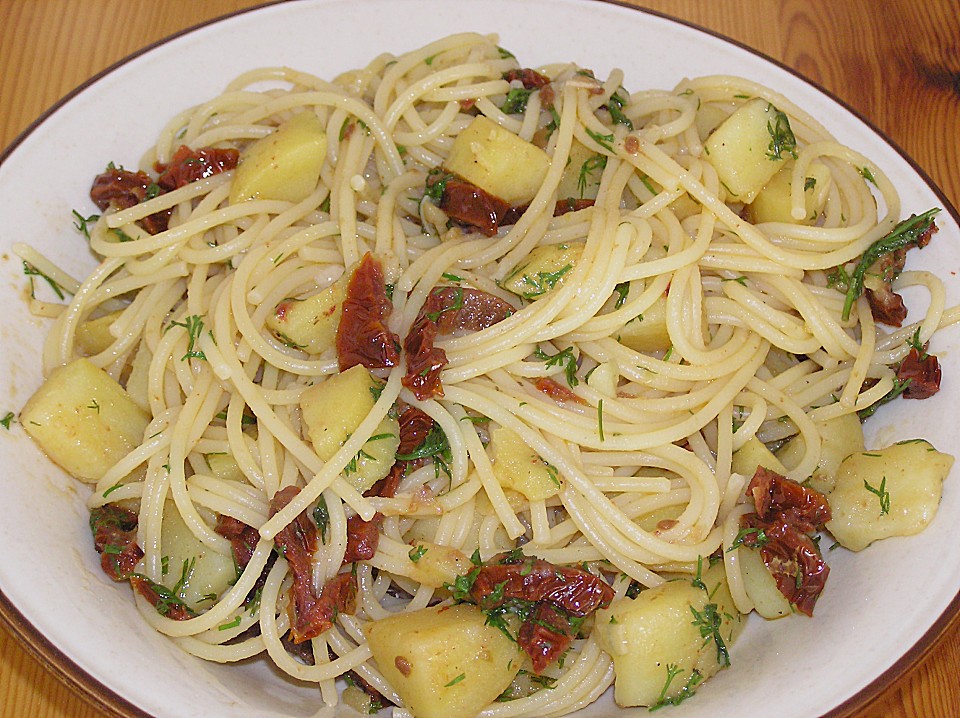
(115, 706)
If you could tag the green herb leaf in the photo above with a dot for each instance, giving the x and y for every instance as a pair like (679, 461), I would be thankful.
(564, 358)
(7, 419)
(904, 234)
(82, 224)
(782, 138)
(881, 493)
(605, 141)
(194, 326)
(516, 101)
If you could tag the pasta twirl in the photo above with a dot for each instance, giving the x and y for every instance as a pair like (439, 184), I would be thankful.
(452, 325)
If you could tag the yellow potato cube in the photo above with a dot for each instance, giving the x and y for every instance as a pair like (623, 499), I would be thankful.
(284, 165)
(311, 324)
(648, 332)
(194, 570)
(887, 492)
(445, 661)
(520, 468)
(581, 176)
(668, 636)
(93, 335)
(83, 420)
(774, 204)
(749, 148)
(498, 161)
(543, 270)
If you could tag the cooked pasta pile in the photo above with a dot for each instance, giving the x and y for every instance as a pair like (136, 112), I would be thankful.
(645, 338)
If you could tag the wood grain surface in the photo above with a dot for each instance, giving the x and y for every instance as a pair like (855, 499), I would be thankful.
(897, 62)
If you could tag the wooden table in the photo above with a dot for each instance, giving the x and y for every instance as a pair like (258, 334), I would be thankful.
(897, 62)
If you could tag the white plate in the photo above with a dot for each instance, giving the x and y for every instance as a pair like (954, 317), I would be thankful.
(881, 609)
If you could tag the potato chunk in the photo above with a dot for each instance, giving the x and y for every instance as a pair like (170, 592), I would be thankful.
(648, 332)
(520, 468)
(887, 492)
(752, 454)
(581, 176)
(93, 335)
(284, 165)
(841, 437)
(332, 411)
(543, 270)
(83, 420)
(749, 148)
(498, 161)
(761, 586)
(311, 324)
(194, 570)
(676, 628)
(435, 565)
(774, 204)
(444, 662)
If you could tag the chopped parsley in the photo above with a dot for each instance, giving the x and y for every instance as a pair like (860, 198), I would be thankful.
(564, 358)
(321, 516)
(194, 326)
(516, 101)
(693, 680)
(417, 553)
(82, 224)
(543, 282)
(7, 419)
(434, 446)
(591, 166)
(605, 141)
(31, 271)
(782, 138)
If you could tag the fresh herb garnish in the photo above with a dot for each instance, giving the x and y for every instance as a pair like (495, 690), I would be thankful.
(881, 493)
(82, 224)
(31, 271)
(194, 326)
(543, 282)
(782, 138)
(516, 101)
(622, 290)
(693, 680)
(7, 419)
(605, 141)
(709, 621)
(455, 307)
(416, 553)
(904, 234)
(321, 516)
(435, 446)
(564, 358)
(615, 107)
(592, 165)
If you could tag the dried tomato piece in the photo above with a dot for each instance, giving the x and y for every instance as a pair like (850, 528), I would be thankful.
(923, 373)
(531, 79)
(793, 559)
(551, 601)
(570, 204)
(786, 514)
(574, 590)
(414, 427)
(161, 598)
(119, 188)
(243, 538)
(115, 539)
(556, 391)
(777, 497)
(887, 306)
(363, 538)
(470, 205)
(447, 309)
(363, 336)
(189, 165)
(545, 635)
(312, 614)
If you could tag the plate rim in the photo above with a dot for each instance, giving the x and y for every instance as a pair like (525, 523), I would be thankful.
(103, 698)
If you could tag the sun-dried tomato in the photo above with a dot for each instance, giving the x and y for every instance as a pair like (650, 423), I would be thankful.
(188, 165)
(115, 538)
(446, 310)
(243, 538)
(923, 373)
(362, 335)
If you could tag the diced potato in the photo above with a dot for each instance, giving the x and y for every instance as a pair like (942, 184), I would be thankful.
(224, 467)
(773, 203)
(842, 436)
(332, 411)
(334, 408)
(581, 176)
(311, 324)
(377, 456)
(194, 570)
(648, 332)
(83, 420)
(760, 585)
(520, 468)
(284, 165)
(138, 382)
(498, 161)
(444, 662)
(93, 336)
(662, 627)
(435, 565)
(651, 521)
(887, 492)
(752, 454)
(743, 148)
(543, 270)
(604, 378)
